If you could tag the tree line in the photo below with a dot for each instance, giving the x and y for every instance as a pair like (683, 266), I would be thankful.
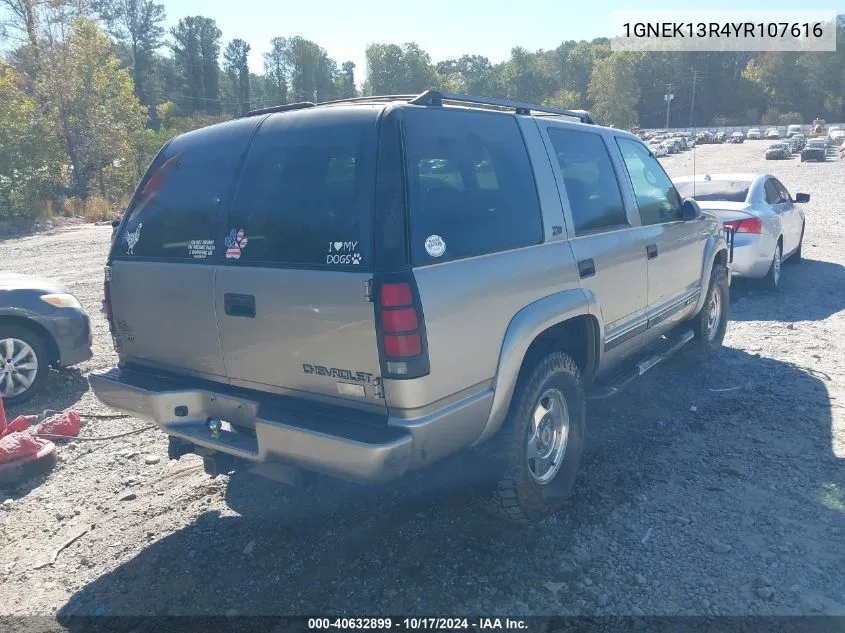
(91, 89)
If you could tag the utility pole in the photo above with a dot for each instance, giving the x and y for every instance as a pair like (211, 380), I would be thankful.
(692, 103)
(668, 99)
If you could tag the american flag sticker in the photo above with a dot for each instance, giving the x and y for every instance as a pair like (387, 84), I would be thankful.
(235, 242)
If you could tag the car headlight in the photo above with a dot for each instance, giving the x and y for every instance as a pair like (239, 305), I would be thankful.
(61, 300)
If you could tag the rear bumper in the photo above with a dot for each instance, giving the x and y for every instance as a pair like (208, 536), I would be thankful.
(751, 256)
(364, 453)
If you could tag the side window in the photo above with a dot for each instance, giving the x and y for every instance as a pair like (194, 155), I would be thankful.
(471, 185)
(772, 193)
(174, 213)
(657, 199)
(590, 180)
(305, 196)
(782, 192)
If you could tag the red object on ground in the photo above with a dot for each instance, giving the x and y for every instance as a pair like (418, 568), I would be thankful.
(18, 445)
(20, 467)
(67, 423)
(20, 423)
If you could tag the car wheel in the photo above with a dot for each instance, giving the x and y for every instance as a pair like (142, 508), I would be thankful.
(540, 445)
(772, 278)
(711, 322)
(24, 363)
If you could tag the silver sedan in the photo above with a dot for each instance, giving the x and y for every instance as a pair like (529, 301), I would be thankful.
(766, 221)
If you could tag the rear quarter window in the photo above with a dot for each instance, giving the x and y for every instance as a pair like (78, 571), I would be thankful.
(471, 185)
(174, 213)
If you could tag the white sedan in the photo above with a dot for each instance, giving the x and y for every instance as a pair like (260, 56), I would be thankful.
(766, 221)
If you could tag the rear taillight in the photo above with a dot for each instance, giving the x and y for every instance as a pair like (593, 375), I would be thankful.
(107, 299)
(401, 330)
(750, 225)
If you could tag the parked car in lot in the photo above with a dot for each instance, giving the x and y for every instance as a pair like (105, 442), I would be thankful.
(816, 149)
(767, 223)
(755, 134)
(347, 312)
(837, 137)
(721, 137)
(792, 130)
(772, 133)
(778, 151)
(797, 142)
(736, 137)
(41, 325)
(658, 149)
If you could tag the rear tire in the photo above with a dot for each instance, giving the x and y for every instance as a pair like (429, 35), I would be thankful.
(538, 450)
(772, 279)
(711, 322)
(33, 364)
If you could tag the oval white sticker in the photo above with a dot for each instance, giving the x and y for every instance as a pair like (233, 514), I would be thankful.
(435, 246)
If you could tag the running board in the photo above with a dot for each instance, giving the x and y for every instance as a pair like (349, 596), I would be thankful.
(618, 380)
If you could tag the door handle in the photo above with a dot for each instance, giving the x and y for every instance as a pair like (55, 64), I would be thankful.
(239, 305)
(586, 268)
(651, 250)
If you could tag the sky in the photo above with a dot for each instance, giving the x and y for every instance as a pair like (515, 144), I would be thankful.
(444, 28)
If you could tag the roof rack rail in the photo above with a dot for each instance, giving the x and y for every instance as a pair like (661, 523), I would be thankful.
(281, 108)
(437, 97)
(370, 98)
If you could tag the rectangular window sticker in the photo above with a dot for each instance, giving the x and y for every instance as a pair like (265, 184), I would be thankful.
(201, 249)
(343, 253)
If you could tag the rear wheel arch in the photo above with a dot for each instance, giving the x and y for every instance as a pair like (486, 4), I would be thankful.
(576, 336)
(538, 327)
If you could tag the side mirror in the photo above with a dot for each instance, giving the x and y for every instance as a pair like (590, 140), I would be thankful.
(802, 197)
(690, 210)
(115, 224)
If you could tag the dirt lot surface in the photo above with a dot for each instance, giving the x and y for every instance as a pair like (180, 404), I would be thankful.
(704, 490)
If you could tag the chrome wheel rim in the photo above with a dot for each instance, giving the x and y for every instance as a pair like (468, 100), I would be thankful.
(776, 266)
(714, 314)
(18, 367)
(547, 436)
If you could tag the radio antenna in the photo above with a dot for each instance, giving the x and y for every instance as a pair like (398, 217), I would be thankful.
(692, 125)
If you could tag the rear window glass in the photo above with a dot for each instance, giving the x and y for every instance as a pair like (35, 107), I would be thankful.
(174, 214)
(715, 190)
(305, 197)
(471, 185)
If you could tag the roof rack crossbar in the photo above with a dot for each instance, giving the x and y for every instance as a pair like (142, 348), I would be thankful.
(437, 97)
(281, 108)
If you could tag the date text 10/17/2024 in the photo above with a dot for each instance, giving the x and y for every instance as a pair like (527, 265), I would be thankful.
(409, 624)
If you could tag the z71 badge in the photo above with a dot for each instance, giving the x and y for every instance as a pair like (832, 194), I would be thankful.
(334, 372)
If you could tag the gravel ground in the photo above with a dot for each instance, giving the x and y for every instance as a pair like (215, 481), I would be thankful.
(692, 499)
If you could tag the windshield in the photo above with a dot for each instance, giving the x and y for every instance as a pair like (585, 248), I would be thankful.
(713, 190)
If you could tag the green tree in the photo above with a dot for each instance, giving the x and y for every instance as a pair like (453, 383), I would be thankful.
(236, 65)
(137, 25)
(528, 76)
(276, 69)
(393, 69)
(196, 49)
(567, 99)
(30, 166)
(89, 100)
(346, 81)
(614, 92)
